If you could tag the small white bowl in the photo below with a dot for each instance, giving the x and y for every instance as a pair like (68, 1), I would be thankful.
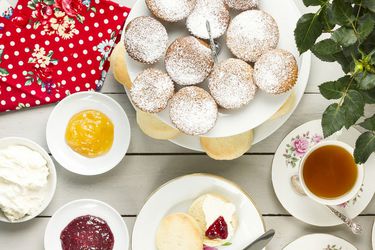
(71, 160)
(64, 215)
(52, 180)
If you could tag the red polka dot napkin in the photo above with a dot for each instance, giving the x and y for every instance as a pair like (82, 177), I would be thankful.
(52, 48)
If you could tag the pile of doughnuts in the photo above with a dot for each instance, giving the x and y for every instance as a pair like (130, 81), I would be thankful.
(252, 36)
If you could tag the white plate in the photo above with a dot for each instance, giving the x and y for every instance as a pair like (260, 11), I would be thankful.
(177, 195)
(302, 207)
(59, 119)
(320, 242)
(77, 208)
(263, 106)
(51, 185)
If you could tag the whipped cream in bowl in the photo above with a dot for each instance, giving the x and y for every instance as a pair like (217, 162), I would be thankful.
(27, 179)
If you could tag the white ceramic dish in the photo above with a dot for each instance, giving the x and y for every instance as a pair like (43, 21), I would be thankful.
(178, 194)
(263, 106)
(373, 236)
(285, 164)
(59, 119)
(64, 215)
(320, 242)
(52, 179)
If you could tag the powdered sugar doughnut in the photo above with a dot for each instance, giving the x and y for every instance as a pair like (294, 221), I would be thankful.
(171, 10)
(242, 4)
(188, 60)
(193, 110)
(151, 90)
(145, 39)
(213, 11)
(231, 83)
(251, 34)
(276, 71)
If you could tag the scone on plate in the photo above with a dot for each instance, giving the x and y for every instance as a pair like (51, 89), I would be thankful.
(216, 218)
(179, 231)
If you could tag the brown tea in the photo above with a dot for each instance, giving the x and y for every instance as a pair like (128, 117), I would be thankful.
(330, 172)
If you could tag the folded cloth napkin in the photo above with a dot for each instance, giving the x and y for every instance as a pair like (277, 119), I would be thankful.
(52, 48)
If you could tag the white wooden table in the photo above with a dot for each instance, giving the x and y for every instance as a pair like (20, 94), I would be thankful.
(149, 163)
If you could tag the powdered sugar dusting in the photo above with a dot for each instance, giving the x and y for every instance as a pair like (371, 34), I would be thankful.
(171, 10)
(151, 90)
(188, 61)
(276, 71)
(215, 12)
(193, 110)
(231, 83)
(251, 34)
(146, 39)
(242, 4)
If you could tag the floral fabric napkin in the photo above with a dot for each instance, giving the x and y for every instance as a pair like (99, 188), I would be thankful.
(52, 48)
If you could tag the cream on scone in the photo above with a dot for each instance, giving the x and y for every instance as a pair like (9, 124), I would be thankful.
(216, 217)
(179, 231)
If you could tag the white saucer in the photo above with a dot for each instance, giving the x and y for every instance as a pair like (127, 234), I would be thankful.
(302, 207)
(264, 105)
(320, 242)
(59, 119)
(373, 236)
(52, 178)
(64, 215)
(177, 195)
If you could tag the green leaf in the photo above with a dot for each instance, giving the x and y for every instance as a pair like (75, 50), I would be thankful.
(227, 244)
(368, 96)
(364, 147)
(50, 54)
(333, 119)
(365, 80)
(354, 107)
(369, 123)
(36, 25)
(49, 2)
(308, 29)
(365, 26)
(93, 9)
(3, 72)
(326, 19)
(334, 89)
(342, 12)
(29, 82)
(313, 2)
(326, 49)
(344, 36)
(344, 61)
(369, 4)
(31, 5)
(80, 18)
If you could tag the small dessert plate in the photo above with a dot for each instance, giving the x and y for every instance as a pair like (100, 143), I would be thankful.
(71, 160)
(320, 242)
(178, 194)
(64, 215)
(52, 178)
(286, 163)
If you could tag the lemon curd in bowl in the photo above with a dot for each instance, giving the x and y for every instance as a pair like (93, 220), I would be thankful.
(90, 133)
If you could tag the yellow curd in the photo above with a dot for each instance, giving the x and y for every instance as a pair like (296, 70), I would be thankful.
(90, 133)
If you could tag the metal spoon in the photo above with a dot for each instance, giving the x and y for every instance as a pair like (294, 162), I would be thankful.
(355, 227)
(215, 46)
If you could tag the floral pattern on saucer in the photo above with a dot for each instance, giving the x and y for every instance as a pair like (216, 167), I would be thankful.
(332, 247)
(298, 147)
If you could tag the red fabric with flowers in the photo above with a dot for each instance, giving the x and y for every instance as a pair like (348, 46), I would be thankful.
(52, 48)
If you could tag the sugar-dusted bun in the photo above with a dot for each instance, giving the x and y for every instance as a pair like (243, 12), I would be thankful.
(252, 33)
(213, 11)
(193, 110)
(188, 60)
(171, 10)
(276, 71)
(227, 148)
(179, 231)
(152, 126)
(152, 90)
(146, 39)
(242, 4)
(231, 83)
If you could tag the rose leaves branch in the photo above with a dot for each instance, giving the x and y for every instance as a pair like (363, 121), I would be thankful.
(351, 25)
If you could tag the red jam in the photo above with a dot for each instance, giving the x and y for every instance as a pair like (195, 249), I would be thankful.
(218, 229)
(87, 233)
